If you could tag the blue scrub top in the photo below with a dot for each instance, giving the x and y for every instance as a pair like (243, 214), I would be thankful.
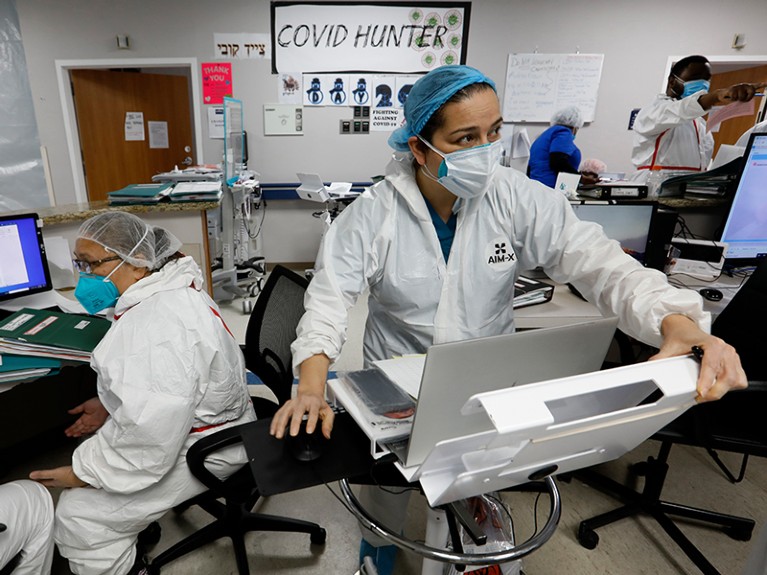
(555, 139)
(445, 230)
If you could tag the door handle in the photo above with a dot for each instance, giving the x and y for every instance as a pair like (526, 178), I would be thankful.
(187, 161)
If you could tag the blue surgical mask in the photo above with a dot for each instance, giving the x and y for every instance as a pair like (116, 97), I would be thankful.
(694, 86)
(96, 293)
(466, 173)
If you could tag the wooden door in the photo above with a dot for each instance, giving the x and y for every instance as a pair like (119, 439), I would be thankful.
(730, 130)
(102, 100)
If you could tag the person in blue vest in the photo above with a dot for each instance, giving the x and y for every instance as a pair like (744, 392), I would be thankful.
(554, 151)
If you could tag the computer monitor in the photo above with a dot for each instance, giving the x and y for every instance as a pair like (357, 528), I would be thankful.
(23, 265)
(629, 223)
(745, 229)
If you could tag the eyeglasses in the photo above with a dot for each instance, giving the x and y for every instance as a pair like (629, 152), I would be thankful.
(86, 267)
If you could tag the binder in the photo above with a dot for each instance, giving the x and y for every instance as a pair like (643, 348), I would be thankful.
(52, 334)
(623, 189)
(18, 367)
(139, 194)
(528, 291)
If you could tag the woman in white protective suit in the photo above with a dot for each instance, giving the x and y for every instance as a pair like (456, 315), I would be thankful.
(439, 243)
(169, 372)
(670, 135)
(26, 512)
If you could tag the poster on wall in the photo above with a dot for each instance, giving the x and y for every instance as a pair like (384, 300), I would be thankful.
(289, 91)
(216, 82)
(394, 37)
(242, 46)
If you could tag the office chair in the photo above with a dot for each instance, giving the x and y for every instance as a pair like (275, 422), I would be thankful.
(727, 425)
(271, 329)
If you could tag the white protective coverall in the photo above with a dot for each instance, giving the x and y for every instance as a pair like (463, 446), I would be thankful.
(670, 135)
(386, 241)
(26, 509)
(166, 368)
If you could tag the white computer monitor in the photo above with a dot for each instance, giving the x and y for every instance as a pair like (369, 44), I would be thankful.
(629, 223)
(23, 265)
(745, 229)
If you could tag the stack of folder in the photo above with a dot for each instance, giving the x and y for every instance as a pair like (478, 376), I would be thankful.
(42, 333)
(196, 192)
(140, 194)
(14, 368)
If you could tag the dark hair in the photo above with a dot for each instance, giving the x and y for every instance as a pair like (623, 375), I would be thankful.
(680, 66)
(437, 119)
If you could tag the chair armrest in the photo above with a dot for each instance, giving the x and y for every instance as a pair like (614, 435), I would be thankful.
(201, 449)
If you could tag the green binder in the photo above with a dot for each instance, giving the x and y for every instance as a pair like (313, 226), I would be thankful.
(53, 330)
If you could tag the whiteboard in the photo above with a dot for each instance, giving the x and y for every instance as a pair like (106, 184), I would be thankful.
(537, 85)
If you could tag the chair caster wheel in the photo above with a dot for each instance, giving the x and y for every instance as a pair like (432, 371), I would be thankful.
(639, 469)
(738, 533)
(588, 538)
(150, 535)
(318, 537)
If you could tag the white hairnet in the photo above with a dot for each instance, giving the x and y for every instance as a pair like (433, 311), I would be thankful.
(569, 116)
(131, 238)
(593, 165)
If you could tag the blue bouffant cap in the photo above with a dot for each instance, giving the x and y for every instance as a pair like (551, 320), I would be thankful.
(428, 94)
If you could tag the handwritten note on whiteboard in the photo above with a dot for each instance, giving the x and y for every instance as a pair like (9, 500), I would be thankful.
(537, 85)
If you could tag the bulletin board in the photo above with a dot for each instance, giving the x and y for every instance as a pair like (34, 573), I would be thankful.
(537, 85)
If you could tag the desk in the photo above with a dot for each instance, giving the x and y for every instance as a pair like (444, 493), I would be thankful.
(347, 457)
(34, 413)
(565, 308)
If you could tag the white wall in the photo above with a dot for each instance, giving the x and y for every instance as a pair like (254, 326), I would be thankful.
(636, 38)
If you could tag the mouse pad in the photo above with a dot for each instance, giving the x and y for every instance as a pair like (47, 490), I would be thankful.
(346, 455)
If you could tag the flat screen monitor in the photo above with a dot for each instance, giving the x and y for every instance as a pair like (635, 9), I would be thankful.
(745, 229)
(23, 265)
(629, 223)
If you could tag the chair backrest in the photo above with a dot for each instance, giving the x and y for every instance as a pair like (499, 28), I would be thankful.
(742, 323)
(272, 328)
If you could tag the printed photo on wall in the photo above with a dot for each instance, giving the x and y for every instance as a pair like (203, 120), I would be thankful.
(384, 91)
(313, 90)
(403, 84)
(337, 92)
(361, 92)
(289, 91)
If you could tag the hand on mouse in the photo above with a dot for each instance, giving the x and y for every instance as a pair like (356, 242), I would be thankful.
(309, 401)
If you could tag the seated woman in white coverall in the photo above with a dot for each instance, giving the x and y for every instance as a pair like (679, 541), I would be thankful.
(670, 135)
(169, 372)
(26, 509)
(420, 241)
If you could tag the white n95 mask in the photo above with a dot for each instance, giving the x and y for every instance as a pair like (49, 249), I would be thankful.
(466, 173)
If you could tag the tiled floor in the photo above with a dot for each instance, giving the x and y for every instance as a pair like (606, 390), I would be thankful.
(630, 547)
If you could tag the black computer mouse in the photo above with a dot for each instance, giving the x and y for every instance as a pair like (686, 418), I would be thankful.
(711, 294)
(306, 446)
